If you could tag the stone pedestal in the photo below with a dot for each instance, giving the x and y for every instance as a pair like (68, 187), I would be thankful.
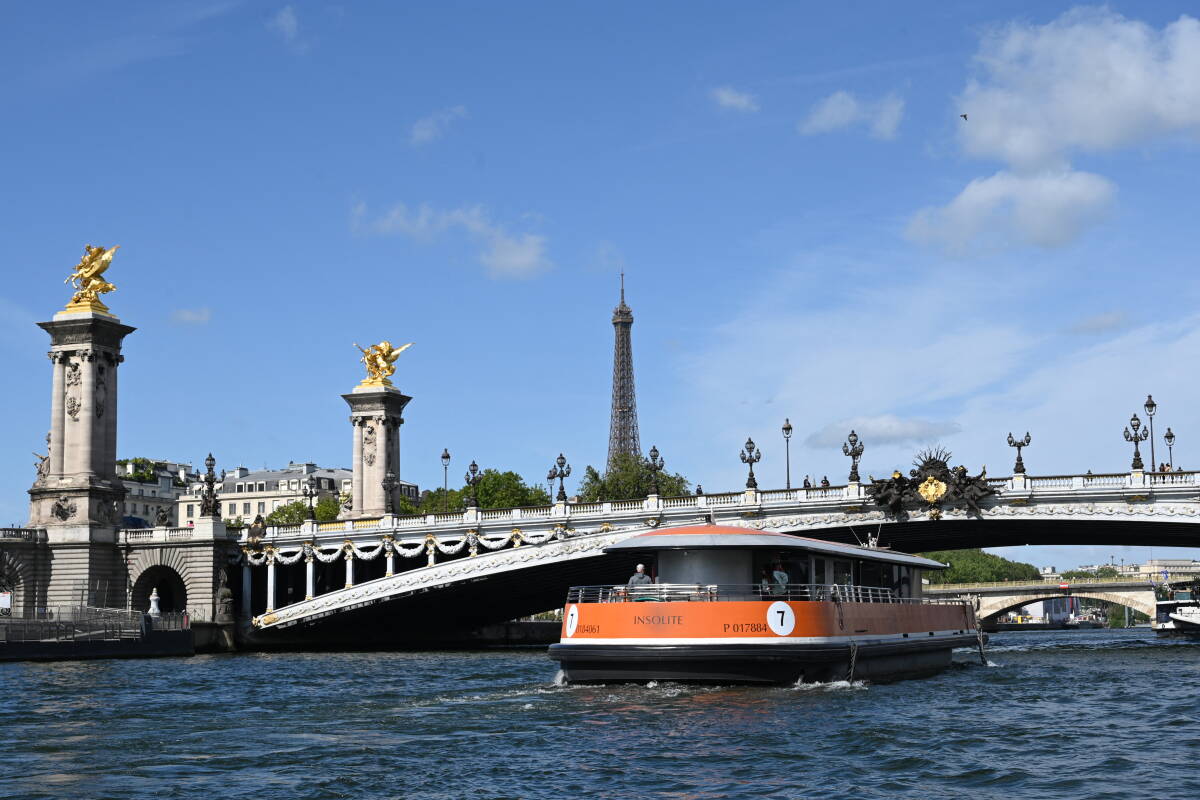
(376, 414)
(77, 496)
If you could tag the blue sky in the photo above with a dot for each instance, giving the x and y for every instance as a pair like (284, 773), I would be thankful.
(808, 227)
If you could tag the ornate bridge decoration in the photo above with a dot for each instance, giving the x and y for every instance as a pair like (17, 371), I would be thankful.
(933, 485)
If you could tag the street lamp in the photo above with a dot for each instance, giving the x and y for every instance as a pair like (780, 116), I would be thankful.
(853, 448)
(559, 470)
(309, 490)
(655, 464)
(1169, 438)
(1136, 438)
(1019, 467)
(1151, 407)
(389, 484)
(751, 456)
(472, 478)
(787, 449)
(445, 477)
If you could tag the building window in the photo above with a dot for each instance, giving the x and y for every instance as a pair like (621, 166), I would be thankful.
(262, 486)
(233, 509)
(246, 509)
(274, 504)
(262, 508)
(191, 510)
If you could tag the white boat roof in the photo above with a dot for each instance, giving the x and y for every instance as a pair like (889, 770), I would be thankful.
(712, 537)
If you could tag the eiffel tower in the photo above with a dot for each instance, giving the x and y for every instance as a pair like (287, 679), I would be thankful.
(623, 428)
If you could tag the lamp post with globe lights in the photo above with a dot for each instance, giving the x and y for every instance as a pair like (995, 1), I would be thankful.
(751, 455)
(1151, 407)
(559, 470)
(1138, 436)
(445, 476)
(853, 448)
(1169, 438)
(787, 449)
(1019, 467)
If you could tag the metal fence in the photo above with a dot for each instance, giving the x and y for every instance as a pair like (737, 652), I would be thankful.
(708, 593)
(82, 624)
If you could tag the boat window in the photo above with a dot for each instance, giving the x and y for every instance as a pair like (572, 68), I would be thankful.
(819, 571)
(843, 574)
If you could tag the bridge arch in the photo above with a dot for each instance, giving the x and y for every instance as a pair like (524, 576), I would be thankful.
(172, 591)
(13, 579)
(1139, 600)
(166, 568)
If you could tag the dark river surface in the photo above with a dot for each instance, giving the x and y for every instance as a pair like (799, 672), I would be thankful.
(1086, 714)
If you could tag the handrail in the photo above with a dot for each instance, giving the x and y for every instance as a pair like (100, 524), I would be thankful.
(1049, 583)
(699, 592)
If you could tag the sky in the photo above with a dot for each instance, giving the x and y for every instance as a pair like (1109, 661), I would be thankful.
(809, 229)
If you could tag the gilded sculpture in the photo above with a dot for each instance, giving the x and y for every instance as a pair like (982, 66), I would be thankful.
(87, 279)
(380, 360)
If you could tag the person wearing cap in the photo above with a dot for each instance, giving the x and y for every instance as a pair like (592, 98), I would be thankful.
(640, 577)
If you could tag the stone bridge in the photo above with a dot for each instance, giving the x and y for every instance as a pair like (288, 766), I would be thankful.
(481, 566)
(992, 599)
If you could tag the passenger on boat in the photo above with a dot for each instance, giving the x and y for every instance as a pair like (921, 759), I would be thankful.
(781, 579)
(640, 577)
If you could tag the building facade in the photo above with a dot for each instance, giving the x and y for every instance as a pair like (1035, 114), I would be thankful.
(152, 489)
(244, 494)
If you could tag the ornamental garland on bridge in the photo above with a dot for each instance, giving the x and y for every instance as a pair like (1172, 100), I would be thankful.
(931, 484)
(452, 545)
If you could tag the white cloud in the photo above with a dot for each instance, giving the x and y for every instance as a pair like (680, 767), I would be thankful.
(191, 316)
(883, 429)
(430, 128)
(1100, 323)
(1046, 209)
(842, 110)
(1090, 81)
(285, 23)
(730, 98)
(504, 254)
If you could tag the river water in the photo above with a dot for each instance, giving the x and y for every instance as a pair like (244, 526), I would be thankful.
(1097, 714)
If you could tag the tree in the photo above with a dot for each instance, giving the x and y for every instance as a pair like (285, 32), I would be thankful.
(976, 566)
(1083, 574)
(328, 508)
(293, 513)
(629, 478)
(507, 490)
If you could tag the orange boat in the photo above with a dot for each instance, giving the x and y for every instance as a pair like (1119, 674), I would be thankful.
(737, 605)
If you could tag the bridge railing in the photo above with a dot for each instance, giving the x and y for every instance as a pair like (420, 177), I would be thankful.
(1049, 584)
(734, 592)
(33, 535)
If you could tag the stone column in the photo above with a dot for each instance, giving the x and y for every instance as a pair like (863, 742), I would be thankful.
(391, 563)
(247, 611)
(356, 485)
(84, 440)
(57, 415)
(377, 414)
(270, 585)
(349, 568)
(310, 582)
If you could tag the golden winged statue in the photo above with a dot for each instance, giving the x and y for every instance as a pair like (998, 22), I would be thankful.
(87, 280)
(380, 359)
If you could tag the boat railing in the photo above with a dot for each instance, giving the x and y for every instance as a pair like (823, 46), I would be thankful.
(717, 592)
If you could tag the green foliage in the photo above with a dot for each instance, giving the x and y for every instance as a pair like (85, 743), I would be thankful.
(496, 490)
(1116, 616)
(508, 490)
(236, 522)
(976, 566)
(143, 470)
(327, 509)
(1081, 574)
(629, 479)
(291, 514)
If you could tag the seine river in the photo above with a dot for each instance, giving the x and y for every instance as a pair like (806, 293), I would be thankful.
(1093, 714)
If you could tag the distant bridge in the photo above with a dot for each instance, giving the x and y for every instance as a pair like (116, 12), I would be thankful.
(992, 599)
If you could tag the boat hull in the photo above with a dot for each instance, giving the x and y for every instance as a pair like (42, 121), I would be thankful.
(759, 641)
(757, 663)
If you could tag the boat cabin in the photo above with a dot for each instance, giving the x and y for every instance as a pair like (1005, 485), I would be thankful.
(767, 562)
